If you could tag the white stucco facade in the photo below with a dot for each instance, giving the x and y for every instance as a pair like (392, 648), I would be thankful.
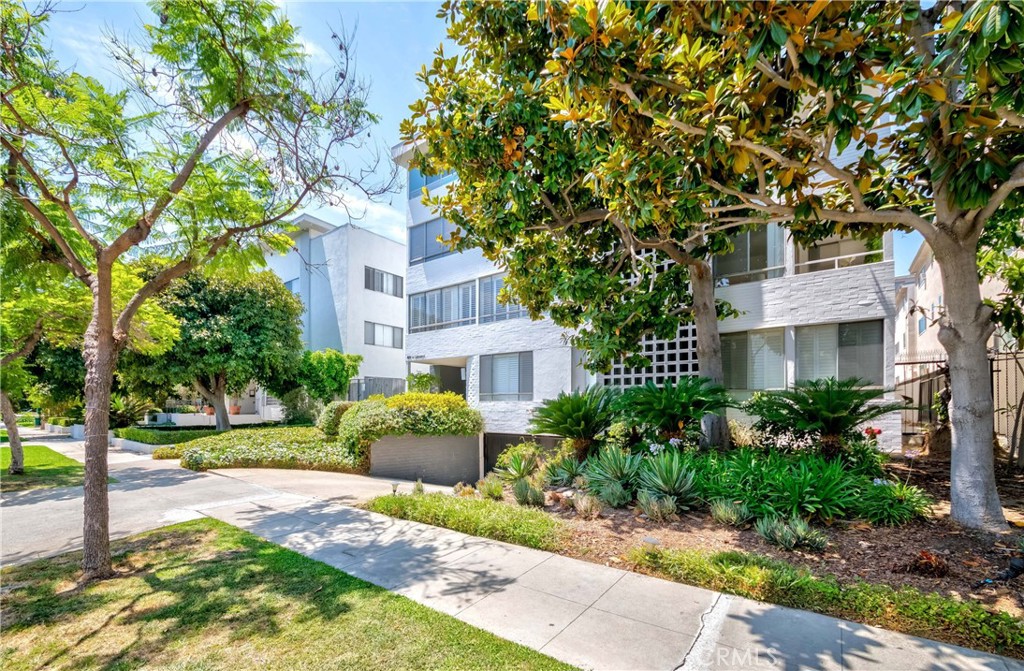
(327, 269)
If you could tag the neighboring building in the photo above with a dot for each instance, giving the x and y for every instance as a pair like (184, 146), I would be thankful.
(822, 311)
(352, 282)
(919, 305)
(504, 363)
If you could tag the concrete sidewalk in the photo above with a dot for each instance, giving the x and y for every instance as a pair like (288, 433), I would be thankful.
(585, 614)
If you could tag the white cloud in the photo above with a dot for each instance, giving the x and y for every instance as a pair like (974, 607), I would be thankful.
(316, 53)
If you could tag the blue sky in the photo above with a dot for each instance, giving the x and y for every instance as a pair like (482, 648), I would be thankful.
(392, 41)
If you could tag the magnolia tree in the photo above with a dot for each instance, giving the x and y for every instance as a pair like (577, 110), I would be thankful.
(215, 134)
(710, 117)
(235, 330)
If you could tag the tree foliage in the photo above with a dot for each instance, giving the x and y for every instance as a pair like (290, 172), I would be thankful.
(325, 373)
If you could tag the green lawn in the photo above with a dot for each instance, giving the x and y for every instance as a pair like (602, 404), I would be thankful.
(43, 468)
(205, 595)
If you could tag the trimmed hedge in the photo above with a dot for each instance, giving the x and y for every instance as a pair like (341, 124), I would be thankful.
(412, 413)
(331, 415)
(61, 421)
(280, 447)
(907, 610)
(158, 437)
(477, 517)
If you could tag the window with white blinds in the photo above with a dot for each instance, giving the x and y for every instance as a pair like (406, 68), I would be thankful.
(424, 241)
(757, 255)
(490, 309)
(754, 360)
(506, 377)
(382, 335)
(842, 351)
(383, 281)
(443, 308)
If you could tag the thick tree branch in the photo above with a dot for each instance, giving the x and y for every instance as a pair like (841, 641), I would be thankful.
(27, 345)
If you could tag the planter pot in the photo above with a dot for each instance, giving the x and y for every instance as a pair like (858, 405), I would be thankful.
(209, 410)
(235, 410)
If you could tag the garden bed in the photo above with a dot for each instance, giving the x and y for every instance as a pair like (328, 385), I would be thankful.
(281, 447)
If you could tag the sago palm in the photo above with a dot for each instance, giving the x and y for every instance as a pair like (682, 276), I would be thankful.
(674, 409)
(828, 408)
(580, 415)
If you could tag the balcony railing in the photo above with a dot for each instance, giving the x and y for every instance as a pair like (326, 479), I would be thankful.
(841, 261)
(749, 276)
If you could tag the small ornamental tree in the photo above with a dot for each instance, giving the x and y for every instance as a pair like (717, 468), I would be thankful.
(234, 330)
(216, 133)
(325, 374)
(736, 114)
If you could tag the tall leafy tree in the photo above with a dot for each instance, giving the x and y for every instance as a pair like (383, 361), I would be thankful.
(234, 330)
(325, 374)
(216, 133)
(735, 114)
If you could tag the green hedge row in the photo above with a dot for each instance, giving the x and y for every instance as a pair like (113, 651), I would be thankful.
(161, 437)
(279, 447)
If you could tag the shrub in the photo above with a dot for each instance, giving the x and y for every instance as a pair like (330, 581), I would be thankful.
(331, 416)
(908, 610)
(830, 409)
(168, 452)
(491, 487)
(612, 465)
(579, 415)
(477, 517)
(526, 494)
(425, 383)
(657, 508)
(863, 458)
(733, 513)
(156, 437)
(300, 408)
(522, 449)
(279, 447)
(417, 488)
(666, 475)
(60, 421)
(462, 489)
(406, 414)
(792, 534)
(892, 503)
(325, 374)
(587, 506)
(613, 494)
(675, 408)
(810, 487)
(743, 435)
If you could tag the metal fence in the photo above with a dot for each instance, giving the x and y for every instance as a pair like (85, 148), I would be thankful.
(923, 377)
(363, 388)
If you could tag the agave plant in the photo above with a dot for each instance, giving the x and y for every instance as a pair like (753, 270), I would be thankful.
(612, 465)
(579, 415)
(666, 475)
(674, 409)
(519, 467)
(830, 409)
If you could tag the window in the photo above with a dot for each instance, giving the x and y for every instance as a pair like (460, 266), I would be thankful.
(423, 240)
(292, 286)
(754, 360)
(757, 255)
(490, 309)
(841, 351)
(922, 325)
(443, 308)
(382, 335)
(506, 377)
(417, 180)
(384, 282)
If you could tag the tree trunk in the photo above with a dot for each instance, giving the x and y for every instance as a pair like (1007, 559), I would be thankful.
(13, 437)
(709, 345)
(100, 354)
(964, 332)
(215, 396)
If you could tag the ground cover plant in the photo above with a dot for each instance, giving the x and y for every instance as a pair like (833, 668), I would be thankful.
(43, 468)
(906, 609)
(277, 447)
(477, 517)
(205, 595)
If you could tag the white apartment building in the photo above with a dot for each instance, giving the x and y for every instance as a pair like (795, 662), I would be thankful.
(352, 282)
(823, 311)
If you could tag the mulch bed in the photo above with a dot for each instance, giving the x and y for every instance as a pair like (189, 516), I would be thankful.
(857, 550)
